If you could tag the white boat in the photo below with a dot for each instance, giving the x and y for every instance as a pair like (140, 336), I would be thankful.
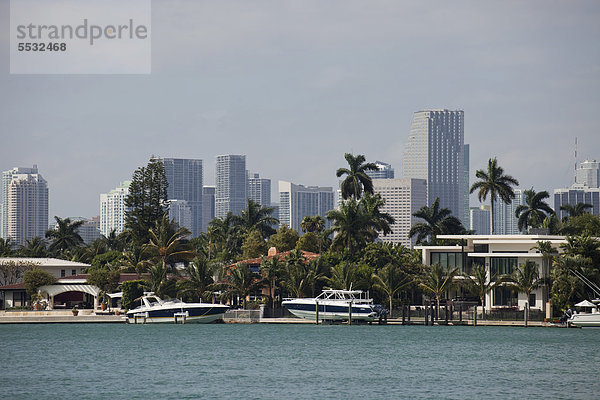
(153, 309)
(583, 319)
(336, 305)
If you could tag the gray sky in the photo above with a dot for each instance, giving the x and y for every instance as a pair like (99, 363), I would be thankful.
(294, 85)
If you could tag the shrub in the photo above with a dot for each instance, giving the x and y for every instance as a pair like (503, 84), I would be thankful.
(131, 291)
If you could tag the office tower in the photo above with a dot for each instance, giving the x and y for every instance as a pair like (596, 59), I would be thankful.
(505, 221)
(298, 201)
(402, 198)
(25, 204)
(466, 185)
(185, 178)
(384, 171)
(181, 212)
(588, 173)
(230, 177)
(435, 151)
(577, 193)
(208, 206)
(275, 207)
(6, 179)
(259, 189)
(112, 209)
(89, 230)
(480, 220)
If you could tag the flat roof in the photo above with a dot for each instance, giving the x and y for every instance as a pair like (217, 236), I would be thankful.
(44, 262)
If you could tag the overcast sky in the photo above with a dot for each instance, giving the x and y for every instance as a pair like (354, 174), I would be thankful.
(295, 85)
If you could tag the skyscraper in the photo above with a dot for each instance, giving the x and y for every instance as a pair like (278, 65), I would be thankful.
(181, 212)
(577, 193)
(25, 204)
(435, 151)
(588, 173)
(402, 198)
(259, 189)
(384, 171)
(480, 220)
(466, 185)
(230, 177)
(6, 179)
(112, 209)
(208, 206)
(505, 220)
(298, 201)
(185, 178)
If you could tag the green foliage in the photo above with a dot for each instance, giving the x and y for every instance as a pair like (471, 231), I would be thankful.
(310, 241)
(494, 183)
(108, 260)
(34, 247)
(64, 237)
(131, 291)
(254, 245)
(437, 222)
(284, 239)
(356, 178)
(583, 225)
(437, 280)
(6, 248)
(313, 224)
(240, 281)
(390, 280)
(146, 201)
(525, 279)
(198, 281)
(106, 280)
(256, 218)
(12, 271)
(35, 278)
(535, 210)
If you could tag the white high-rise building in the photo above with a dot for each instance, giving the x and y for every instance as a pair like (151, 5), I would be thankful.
(298, 201)
(181, 212)
(25, 204)
(588, 173)
(259, 189)
(231, 186)
(112, 209)
(208, 206)
(6, 179)
(435, 151)
(185, 178)
(480, 220)
(384, 171)
(402, 198)
(505, 220)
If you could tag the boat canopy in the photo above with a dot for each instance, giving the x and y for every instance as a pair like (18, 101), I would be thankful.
(585, 303)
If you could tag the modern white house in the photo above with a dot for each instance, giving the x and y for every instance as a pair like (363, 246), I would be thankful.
(500, 254)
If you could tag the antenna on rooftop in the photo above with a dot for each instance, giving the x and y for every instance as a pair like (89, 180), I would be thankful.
(575, 159)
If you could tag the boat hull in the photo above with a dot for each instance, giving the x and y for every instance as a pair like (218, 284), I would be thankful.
(334, 312)
(201, 315)
(585, 320)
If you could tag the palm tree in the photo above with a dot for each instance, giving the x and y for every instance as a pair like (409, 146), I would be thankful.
(312, 224)
(166, 243)
(113, 241)
(525, 279)
(390, 280)
(295, 274)
(356, 180)
(6, 248)
(496, 184)
(548, 254)
(534, 211)
(137, 260)
(575, 210)
(378, 221)
(64, 236)
(437, 222)
(240, 281)
(225, 237)
(198, 281)
(437, 280)
(315, 273)
(478, 285)
(34, 247)
(158, 279)
(256, 217)
(271, 271)
(351, 225)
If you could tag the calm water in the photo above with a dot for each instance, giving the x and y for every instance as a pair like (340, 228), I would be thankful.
(296, 361)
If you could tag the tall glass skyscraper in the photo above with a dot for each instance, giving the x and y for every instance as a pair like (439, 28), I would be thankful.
(230, 179)
(505, 220)
(435, 151)
(384, 171)
(298, 201)
(185, 178)
(112, 209)
(259, 189)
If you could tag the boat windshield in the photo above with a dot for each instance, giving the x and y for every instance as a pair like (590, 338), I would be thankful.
(333, 294)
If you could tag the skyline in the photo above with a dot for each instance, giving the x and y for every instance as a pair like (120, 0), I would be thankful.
(295, 86)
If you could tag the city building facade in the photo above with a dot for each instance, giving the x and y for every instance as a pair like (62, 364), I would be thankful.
(208, 206)
(403, 197)
(112, 209)
(505, 220)
(588, 173)
(231, 186)
(435, 151)
(181, 212)
(259, 189)
(298, 201)
(577, 193)
(384, 171)
(480, 220)
(185, 179)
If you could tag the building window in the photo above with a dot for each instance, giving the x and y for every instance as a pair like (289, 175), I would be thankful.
(63, 273)
(532, 300)
(502, 266)
(447, 260)
(505, 297)
(73, 272)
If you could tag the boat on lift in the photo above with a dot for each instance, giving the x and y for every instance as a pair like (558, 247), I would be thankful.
(153, 309)
(336, 305)
(584, 318)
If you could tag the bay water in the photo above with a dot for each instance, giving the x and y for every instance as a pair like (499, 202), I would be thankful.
(260, 361)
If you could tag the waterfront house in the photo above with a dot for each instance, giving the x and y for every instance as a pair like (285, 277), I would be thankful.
(500, 254)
